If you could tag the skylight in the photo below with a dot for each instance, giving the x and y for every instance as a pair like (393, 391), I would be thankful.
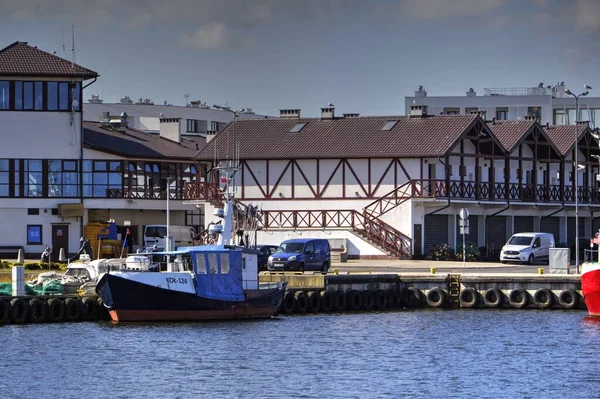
(389, 125)
(298, 127)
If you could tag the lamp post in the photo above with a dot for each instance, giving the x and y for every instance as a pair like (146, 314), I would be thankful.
(235, 114)
(576, 168)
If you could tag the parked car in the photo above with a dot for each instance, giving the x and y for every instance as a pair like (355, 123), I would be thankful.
(527, 248)
(264, 251)
(301, 254)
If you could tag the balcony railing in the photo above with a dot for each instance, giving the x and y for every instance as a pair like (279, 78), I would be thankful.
(203, 191)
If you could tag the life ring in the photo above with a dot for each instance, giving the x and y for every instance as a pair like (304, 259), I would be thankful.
(18, 311)
(569, 299)
(414, 297)
(88, 308)
(339, 301)
(436, 297)
(368, 300)
(543, 298)
(314, 301)
(393, 298)
(71, 310)
(493, 298)
(518, 298)
(4, 312)
(380, 299)
(37, 310)
(326, 301)
(469, 297)
(300, 302)
(55, 310)
(354, 300)
(287, 306)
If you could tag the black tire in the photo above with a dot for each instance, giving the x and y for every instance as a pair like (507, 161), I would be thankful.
(300, 302)
(340, 301)
(71, 310)
(287, 306)
(531, 259)
(493, 298)
(503, 262)
(37, 311)
(543, 298)
(380, 299)
(469, 297)
(414, 297)
(353, 300)
(314, 302)
(4, 312)
(437, 297)
(326, 301)
(368, 300)
(19, 309)
(55, 310)
(518, 298)
(394, 300)
(89, 309)
(569, 299)
(325, 267)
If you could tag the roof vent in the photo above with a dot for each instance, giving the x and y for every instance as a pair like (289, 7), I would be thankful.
(471, 93)
(418, 111)
(351, 115)
(421, 92)
(289, 113)
(328, 112)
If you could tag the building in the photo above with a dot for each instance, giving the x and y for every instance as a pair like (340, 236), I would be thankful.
(59, 173)
(548, 103)
(394, 185)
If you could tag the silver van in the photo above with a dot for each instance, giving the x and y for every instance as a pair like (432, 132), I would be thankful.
(527, 248)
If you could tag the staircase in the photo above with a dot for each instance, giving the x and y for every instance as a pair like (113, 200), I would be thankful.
(391, 200)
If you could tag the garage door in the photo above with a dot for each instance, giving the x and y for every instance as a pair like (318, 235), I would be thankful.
(472, 236)
(571, 231)
(523, 224)
(436, 230)
(495, 234)
(551, 225)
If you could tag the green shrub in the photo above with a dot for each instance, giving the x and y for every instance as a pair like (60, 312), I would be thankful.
(472, 252)
(441, 252)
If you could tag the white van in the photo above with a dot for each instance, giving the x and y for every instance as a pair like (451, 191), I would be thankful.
(182, 235)
(527, 247)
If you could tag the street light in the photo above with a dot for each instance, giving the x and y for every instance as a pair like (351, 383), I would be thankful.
(235, 114)
(576, 167)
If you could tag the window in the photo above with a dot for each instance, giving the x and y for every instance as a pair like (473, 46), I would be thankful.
(224, 263)
(451, 111)
(212, 263)
(389, 125)
(559, 117)
(501, 114)
(18, 95)
(200, 263)
(4, 178)
(63, 178)
(52, 96)
(214, 126)
(534, 111)
(4, 94)
(33, 183)
(63, 96)
(28, 96)
(39, 96)
(34, 234)
(298, 127)
(192, 126)
(76, 95)
(33, 211)
(102, 179)
(471, 110)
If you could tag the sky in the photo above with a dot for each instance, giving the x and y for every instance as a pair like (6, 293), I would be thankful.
(362, 56)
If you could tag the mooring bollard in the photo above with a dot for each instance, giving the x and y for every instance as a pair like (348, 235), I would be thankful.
(20, 257)
(61, 255)
(432, 270)
(541, 270)
(18, 280)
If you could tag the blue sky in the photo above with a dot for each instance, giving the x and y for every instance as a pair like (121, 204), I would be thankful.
(363, 56)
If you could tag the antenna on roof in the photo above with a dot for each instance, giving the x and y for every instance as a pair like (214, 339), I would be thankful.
(72, 49)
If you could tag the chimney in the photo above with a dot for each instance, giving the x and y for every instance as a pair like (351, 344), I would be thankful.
(210, 134)
(482, 114)
(471, 93)
(351, 115)
(531, 118)
(289, 113)
(328, 112)
(421, 92)
(170, 129)
(418, 111)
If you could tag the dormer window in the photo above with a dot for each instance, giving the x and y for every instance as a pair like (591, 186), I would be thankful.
(389, 125)
(298, 127)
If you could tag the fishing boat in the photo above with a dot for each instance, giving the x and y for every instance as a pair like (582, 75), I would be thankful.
(590, 284)
(195, 283)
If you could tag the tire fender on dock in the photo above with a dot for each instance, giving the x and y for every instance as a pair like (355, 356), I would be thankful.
(4, 312)
(414, 297)
(368, 300)
(469, 297)
(19, 309)
(339, 301)
(300, 302)
(394, 300)
(518, 298)
(314, 301)
(287, 306)
(55, 309)
(88, 309)
(543, 298)
(437, 297)
(72, 309)
(354, 300)
(493, 298)
(326, 301)
(380, 299)
(569, 299)
(37, 310)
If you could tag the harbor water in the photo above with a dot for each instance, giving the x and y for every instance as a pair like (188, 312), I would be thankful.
(420, 353)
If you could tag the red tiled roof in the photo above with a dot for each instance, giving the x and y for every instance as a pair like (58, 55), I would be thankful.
(136, 144)
(357, 137)
(563, 136)
(509, 133)
(21, 59)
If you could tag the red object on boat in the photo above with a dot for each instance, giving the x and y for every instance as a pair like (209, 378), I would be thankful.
(223, 179)
(590, 287)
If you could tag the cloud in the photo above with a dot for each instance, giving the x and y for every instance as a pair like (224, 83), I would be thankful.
(212, 36)
(587, 15)
(438, 9)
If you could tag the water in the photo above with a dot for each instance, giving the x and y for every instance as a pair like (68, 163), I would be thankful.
(424, 353)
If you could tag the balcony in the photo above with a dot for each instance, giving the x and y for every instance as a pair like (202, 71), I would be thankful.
(203, 191)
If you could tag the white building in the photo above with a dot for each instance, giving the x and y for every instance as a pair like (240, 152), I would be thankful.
(548, 103)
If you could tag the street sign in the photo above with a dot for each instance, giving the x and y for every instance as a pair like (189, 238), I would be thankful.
(464, 223)
(464, 213)
(464, 230)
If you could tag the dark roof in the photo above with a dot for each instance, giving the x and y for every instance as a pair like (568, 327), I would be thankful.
(136, 144)
(563, 136)
(357, 137)
(510, 133)
(21, 59)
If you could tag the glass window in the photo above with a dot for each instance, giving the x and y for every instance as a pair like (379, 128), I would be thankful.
(18, 95)
(297, 127)
(28, 95)
(4, 94)
(200, 263)
(33, 178)
(34, 234)
(4, 177)
(224, 263)
(389, 125)
(63, 178)
(39, 96)
(76, 96)
(63, 96)
(52, 96)
(212, 263)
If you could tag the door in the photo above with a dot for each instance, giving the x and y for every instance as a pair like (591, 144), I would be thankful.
(417, 240)
(312, 257)
(60, 239)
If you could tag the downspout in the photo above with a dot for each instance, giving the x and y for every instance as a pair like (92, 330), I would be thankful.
(554, 213)
(499, 212)
(447, 189)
